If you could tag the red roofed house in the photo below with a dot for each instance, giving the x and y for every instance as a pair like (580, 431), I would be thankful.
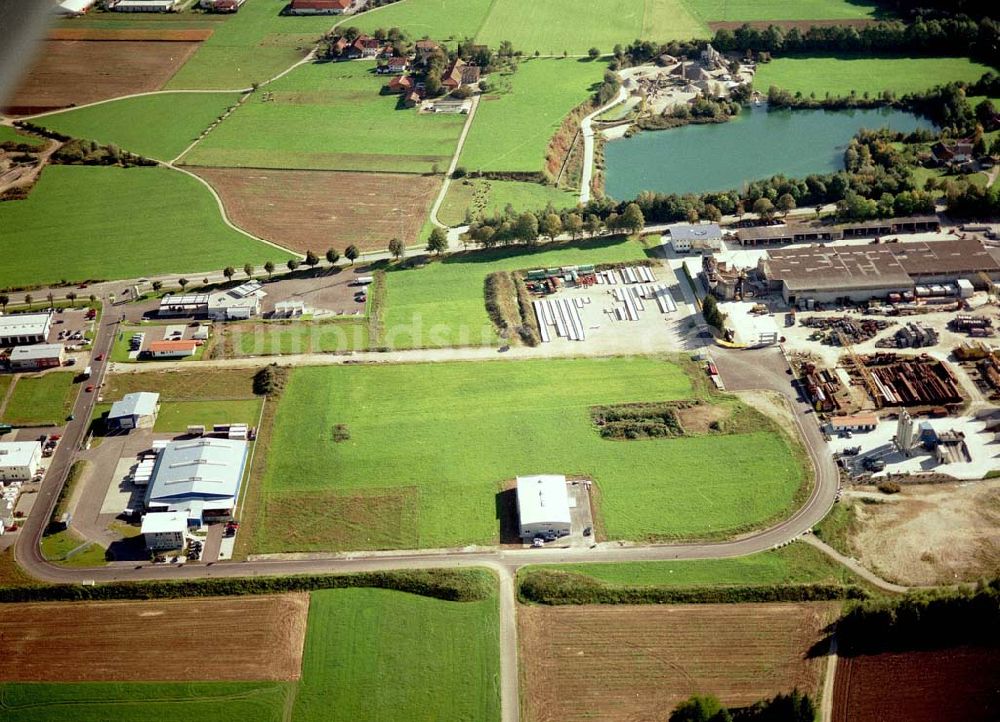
(394, 66)
(402, 84)
(320, 7)
(365, 46)
(425, 49)
(412, 99)
(460, 73)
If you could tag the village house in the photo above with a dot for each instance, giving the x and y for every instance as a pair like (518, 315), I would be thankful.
(222, 6)
(402, 84)
(424, 49)
(320, 7)
(952, 152)
(393, 66)
(460, 73)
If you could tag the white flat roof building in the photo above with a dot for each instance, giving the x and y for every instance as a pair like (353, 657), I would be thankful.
(164, 529)
(200, 477)
(24, 328)
(19, 460)
(42, 355)
(698, 236)
(543, 505)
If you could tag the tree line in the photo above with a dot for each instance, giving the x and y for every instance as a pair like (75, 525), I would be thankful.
(793, 707)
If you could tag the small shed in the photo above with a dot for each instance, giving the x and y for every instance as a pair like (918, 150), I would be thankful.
(857, 422)
(134, 411)
(543, 506)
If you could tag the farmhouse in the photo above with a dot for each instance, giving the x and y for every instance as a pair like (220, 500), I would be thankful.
(164, 530)
(172, 349)
(425, 49)
(320, 7)
(703, 236)
(24, 328)
(404, 84)
(144, 6)
(393, 66)
(222, 6)
(19, 460)
(542, 506)
(134, 411)
(200, 477)
(460, 73)
(857, 422)
(41, 356)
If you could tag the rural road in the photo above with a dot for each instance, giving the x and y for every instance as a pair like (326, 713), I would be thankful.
(454, 164)
(587, 130)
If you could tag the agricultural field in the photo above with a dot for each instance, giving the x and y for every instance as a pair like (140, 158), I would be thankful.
(643, 660)
(504, 414)
(485, 197)
(958, 683)
(713, 11)
(419, 314)
(63, 230)
(252, 46)
(313, 210)
(268, 650)
(512, 129)
(41, 400)
(330, 116)
(156, 126)
(73, 72)
(541, 26)
(795, 564)
(388, 655)
(841, 74)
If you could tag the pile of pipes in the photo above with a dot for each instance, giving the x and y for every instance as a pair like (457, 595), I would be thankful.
(921, 381)
(822, 386)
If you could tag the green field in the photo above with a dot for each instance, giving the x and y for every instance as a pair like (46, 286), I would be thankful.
(841, 74)
(487, 197)
(55, 547)
(442, 304)
(373, 654)
(550, 27)
(296, 338)
(430, 446)
(251, 46)
(41, 400)
(511, 131)
(9, 134)
(795, 564)
(331, 116)
(176, 416)
(78, 219)
(751, 10)
(155, 126)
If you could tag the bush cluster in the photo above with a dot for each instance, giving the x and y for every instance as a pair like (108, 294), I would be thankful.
(638, 421)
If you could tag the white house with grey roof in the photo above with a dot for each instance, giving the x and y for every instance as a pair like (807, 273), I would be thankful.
(200, 477)
(163, 530)
(702, 236)
(543, 506)
(134, 411)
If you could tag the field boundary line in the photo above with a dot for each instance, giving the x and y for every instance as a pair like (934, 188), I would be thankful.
(117, 98)
(855, 566)
(454, 164)
(253, 453)
(829, 680)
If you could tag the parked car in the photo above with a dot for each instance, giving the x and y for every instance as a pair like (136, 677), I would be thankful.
(537, 543)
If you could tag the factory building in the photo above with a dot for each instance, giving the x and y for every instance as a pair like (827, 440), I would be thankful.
(803, 233)
(164, 530)
(19, 460)
(37, 357)
(199, 477)
(542, 506)
(21, 329)
(238, 303)
(703, 236)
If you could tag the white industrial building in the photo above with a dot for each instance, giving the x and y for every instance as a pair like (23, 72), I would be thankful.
(702, 236)
(134, 411)
(200, 477)
(74, 7)
(19, 460)
(543, 506)
(25, 328)
(238, 303)
(144, 6)
(39, 356)
(164, 530)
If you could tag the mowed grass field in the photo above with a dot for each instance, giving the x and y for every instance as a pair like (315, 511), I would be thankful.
(369, 655)
(8, 134)
(155, 126)
(251, 46)
(758, 10)
(176, 416)
(442, 304)
(511, 130)
(432, 445)
(373, 654)
(550, 27)
(840, 74)
(486, 197)
(41, 400)
(79, 220)
(331, 116)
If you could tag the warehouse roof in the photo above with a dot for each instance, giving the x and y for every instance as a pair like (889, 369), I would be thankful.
(695, 231)
(829, 268)
(542, 499)
(849, 422)
(24, 324)
(941, 257)
(140, 403)
(42, 350)
(198, 472)
(18, 453)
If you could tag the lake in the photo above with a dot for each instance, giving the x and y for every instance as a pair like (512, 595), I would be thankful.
(757, 144)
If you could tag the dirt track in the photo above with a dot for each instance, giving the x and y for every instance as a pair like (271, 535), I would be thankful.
(238, 638)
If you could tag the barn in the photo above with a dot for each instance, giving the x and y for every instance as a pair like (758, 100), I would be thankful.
(543, 506)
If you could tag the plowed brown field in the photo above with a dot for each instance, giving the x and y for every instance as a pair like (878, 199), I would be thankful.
(313, 210)
(638, 662)
(234, 638)
(961, 683)
(75, 72)
(190, 35)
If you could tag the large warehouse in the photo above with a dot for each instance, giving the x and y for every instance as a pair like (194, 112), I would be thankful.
(24, 328)
(200, 477)
(542, 506)
(831, 273)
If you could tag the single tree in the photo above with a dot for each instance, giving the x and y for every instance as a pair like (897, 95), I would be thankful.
(700, 709)
(248, 270)
(573, 225)
(27, 300)
(269, 267)
(632, 219)
(332, 256)
(292, 264)
(351, 253)
(229, 272)
(786, 204)
(437, 242)
(594, 53)
(51, 299)
(526, 227)
(72, 298)
(763, 208)
(551, 226)
(397, 248)
(182, 282)
(157, 285)
(312, 260)
(4, 300)
(93, 299)
(592, 224)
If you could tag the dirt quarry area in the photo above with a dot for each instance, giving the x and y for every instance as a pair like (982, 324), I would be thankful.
(638, 662)
(170, 640)
(313, 210)
(75, 72)
(931, 533)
